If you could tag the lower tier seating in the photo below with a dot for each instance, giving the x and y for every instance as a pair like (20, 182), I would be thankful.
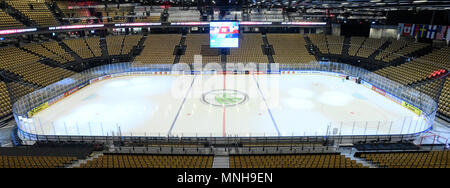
(150, 161)
(431, 159)
(333, 160)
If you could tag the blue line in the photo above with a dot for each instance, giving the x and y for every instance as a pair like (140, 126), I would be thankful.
(181, 106)
(268, 109)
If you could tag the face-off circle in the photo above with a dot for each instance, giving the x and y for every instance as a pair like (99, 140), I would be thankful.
(224, 97)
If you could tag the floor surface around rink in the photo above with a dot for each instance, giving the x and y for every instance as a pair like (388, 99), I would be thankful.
(277, 105)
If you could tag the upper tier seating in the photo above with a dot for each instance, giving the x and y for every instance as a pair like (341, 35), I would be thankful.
(36, 11)
(114, 14)
(178, 15)
(7, 21)
(148, 19)
(70, 12)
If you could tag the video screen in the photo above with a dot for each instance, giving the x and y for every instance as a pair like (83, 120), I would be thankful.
(224, 34)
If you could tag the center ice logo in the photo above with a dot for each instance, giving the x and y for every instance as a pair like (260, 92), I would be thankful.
(227, 99)
(224, 97)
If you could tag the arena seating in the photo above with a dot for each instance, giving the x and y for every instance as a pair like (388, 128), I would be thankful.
(80, 47)
(94, 45)
(114, 44)
(122, 44)
(369, 46)
(79, 16)
(431, 89)
(115, 14)
(5, 104)
(7, 21)
(148, 19)
(249, 50)
(431, 159)
(26, 65)
(177, 15)
(150, 161)
(194, 43)
(417, 69)
(289, 48)
(355, 44)
(18, 90)
(129, 42)
(43, 155)
(320, 41)
(36, 11)
(444, 99)
(332, 160)
(159, 49)
(409, 48)
(335, 44)
(35, 161)
(54, 47)
(41, 51)
(392, 48)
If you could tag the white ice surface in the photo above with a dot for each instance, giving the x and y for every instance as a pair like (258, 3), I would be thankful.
(278, 105)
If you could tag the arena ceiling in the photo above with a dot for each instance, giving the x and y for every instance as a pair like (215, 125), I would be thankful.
(378, 5)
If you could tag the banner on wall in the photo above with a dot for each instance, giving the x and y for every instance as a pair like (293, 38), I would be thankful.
(378, 90)
(422, 31)
(438, 32)
(38, 109)
(448, 33)
(407, 29)
(400, 28)
(431, 31)
(412, 108)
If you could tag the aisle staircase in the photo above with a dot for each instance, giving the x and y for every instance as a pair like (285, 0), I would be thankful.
(346, 46)
(350, 153)
(77, 163)
(380, 49)
(221, 161)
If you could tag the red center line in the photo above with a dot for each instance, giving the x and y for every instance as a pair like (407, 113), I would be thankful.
(224, 111)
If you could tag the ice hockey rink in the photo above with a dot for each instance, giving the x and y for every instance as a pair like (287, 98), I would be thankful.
(225, 105)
